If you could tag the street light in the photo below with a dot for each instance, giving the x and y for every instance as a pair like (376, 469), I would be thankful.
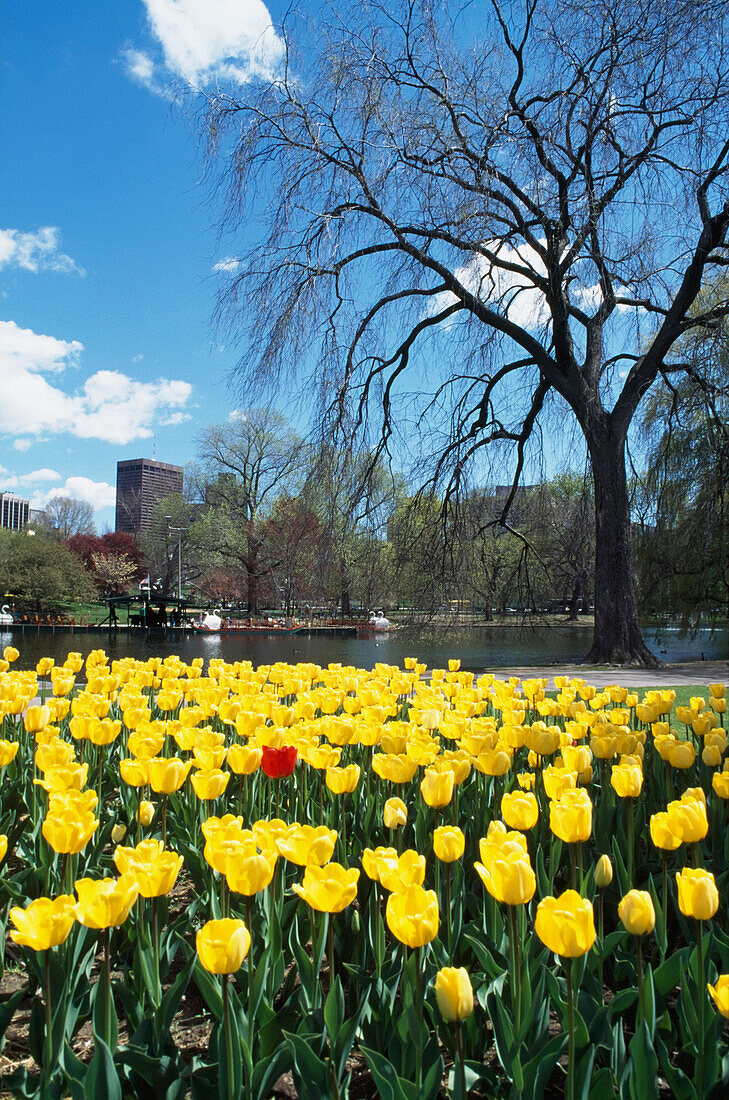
(179, 531)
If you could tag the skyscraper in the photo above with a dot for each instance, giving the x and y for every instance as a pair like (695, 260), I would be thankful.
(140, 484)
(14, 511)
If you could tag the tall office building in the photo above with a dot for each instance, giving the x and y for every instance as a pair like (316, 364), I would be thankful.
(14, 511)
(140, 484)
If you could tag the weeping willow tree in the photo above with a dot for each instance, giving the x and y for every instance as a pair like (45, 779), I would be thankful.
(684, 544)
(456, 222)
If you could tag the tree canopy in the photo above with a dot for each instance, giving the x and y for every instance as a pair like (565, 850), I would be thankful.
(471, 221)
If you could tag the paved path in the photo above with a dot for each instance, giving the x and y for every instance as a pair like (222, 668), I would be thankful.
(689, 672)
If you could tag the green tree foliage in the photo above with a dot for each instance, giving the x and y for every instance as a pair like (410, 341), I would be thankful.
(684, 541)
(40, 572)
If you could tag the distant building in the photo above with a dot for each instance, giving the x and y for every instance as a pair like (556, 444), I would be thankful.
(140, 484)
(14, 511)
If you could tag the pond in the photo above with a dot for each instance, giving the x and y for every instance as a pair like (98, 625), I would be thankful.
(478, 648)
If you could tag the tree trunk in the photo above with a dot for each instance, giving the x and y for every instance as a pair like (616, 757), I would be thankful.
(618, 639)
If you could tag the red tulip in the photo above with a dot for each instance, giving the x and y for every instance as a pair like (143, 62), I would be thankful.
(278, 763)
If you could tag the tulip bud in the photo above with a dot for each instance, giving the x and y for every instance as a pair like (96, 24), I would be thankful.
(145, 813)
(637, 913)
(454, 993)
(118, 833)
(603, 872)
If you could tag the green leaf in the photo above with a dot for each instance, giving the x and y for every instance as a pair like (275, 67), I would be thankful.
(312, 1075)
(105, 1019)
(102, 1080)
(334, 1010)
(170, 1003)
(643, 1065)
(388, 1084)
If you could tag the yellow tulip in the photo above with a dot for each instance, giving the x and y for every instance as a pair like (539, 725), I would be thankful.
(244, 759)
(222, 945)
(687, 819)
(449, 843)
(167, 775)
(408, 870)
(566, 925)
(45, 923)
(210, 784)
(720, 783)
(697, 893)
(637, 913)
(520, 810)
(373, 860)
(396, 768)
(145, 812)
(328, 889)
(626, 780)
(153, 869)
(10, 654)
(395, 813)
(308, 845)
(603, 872)
(508, 877)
(720, 991)
(135, 772)
(454, 993)
(681, 754)
(661, 833)
(68, 831)
(342, 780)
(557, 781)
(36, 719)
(412, 915)
(8, 752)
(105, 903)
(250, 871)
(571, 818)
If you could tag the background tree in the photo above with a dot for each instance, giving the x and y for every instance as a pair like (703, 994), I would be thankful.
(112, 543)
(244, 465)
(66, 517)
(171, 527)
(503, 214)
(114, 572)
(40, 573)
(683, 555)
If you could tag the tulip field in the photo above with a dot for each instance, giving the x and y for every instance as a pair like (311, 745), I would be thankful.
(403, 883)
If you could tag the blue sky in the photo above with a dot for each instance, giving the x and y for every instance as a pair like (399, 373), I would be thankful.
(107, 242)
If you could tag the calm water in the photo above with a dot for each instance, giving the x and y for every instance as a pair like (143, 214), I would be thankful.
(497, 647)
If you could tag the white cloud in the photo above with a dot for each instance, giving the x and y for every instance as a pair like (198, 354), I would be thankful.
(513, 293)
(109, 405)
(207, 43)
(7, 480)
(228, 264)
(97, 493)
(39, 475)
(35, 251)
(23, 444)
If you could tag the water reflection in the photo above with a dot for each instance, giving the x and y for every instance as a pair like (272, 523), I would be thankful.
(487, 647)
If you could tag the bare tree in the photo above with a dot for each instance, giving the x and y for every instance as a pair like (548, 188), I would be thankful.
(245, 465)
(473, 223)
(67, 517)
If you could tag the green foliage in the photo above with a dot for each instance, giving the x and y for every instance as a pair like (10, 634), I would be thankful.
(40, 572)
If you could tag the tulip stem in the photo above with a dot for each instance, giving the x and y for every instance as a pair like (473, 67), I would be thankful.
(249, 923)
(164, 820)
(155, 950)
(48, 1038)
(570, 1032)
(330, 948)
(277, 797)
(639, 959)
(228, 1039)
(460, 1067)
(631, 842)
(419, 1015)
(449, 913)
(515, 967)
(601, 937)
(701, 999)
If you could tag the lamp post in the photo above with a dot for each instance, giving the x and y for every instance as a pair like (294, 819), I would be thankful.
(179, 531)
